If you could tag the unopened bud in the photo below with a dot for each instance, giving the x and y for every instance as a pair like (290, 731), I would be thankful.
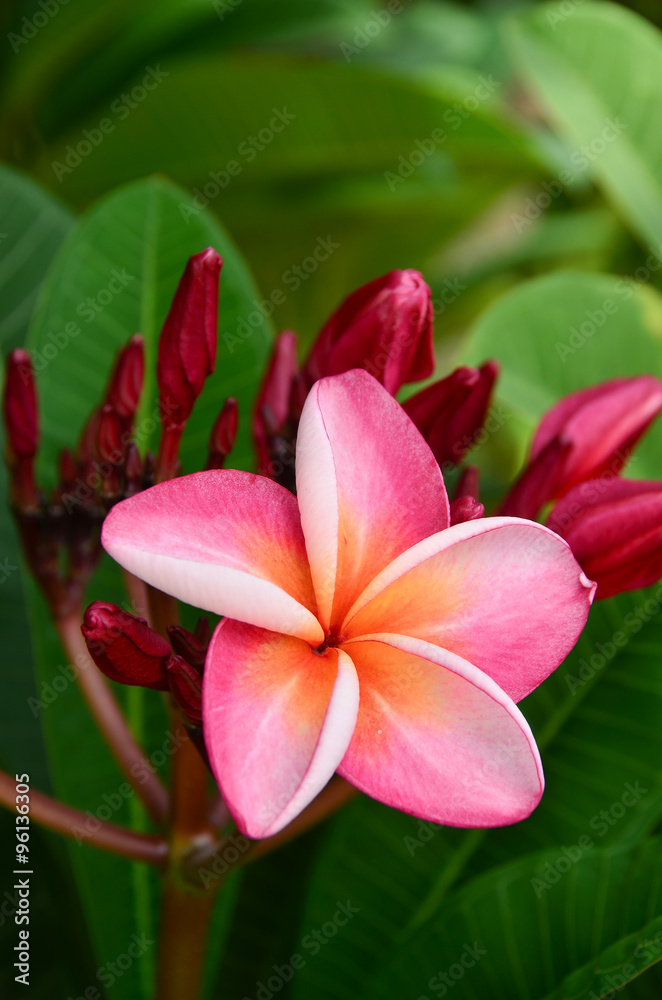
(20, 405)
(127, 379)
(223, 435)
(186, 686)
(384, 327)
(192, 646)
(187, 346)
(124, 647)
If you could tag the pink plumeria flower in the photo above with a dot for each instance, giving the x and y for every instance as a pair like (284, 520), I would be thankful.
(362, 634)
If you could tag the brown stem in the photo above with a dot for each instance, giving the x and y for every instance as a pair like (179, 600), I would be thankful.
(185, 911)
(71, 822)
(163, 610)
(111, 722)
(199, 864)
(137, 591)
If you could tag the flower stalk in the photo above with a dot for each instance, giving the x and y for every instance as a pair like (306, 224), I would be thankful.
(66, 820)
(111, 722)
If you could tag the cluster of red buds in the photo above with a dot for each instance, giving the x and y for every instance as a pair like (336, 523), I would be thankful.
(385, 327)
(60, 531)
(127, 650)
(613, 525)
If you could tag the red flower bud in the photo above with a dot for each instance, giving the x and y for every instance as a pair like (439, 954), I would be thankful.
(124, 647)
(466, 509)
(384, 327)
(586, 434)
(186, 686)
(20, 406)
(273, 405)
(467, 484)
(68, 470)
(109, 436)
(450, 413)
(223, 434)
(87, 444)
(192, 646)
(537, 483)
(614, 528)
(187, 346)
(133, 470)
(127, 379)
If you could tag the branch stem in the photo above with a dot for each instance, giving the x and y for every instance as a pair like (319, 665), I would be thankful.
(185, 910)
(111, 722)
(72, 822)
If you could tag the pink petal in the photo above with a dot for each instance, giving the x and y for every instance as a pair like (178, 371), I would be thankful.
(368, 487)
(437, 738)
(503, 593)
(278, 719)
(224, 541)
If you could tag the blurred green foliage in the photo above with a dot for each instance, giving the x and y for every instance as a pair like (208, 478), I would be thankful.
(513, 153)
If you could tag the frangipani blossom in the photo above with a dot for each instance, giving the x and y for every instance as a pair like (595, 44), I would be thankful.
(363, 634)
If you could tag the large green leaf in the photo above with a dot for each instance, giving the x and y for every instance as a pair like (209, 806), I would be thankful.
(595, 929)
(597, 722)
(372, 120)
(360, 171)
(593, 64)
(567, 330)
(137, 239)
(140, 234)
(32, 227)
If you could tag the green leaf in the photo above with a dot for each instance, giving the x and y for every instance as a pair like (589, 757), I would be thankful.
(32, 227)
(593, 931)
(596, 721)
(137, 236)
(591, 65)
(568, 330)
(118, 897)
(116, 274)
(373, 119)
